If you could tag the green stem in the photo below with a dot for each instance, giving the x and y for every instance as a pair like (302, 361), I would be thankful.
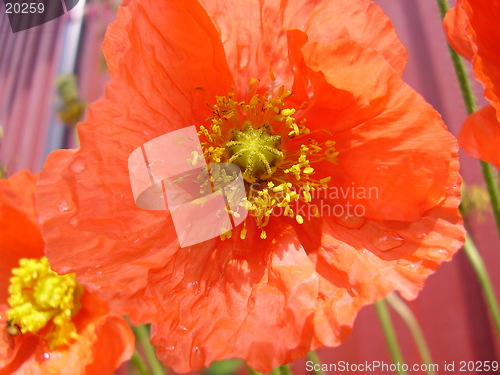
(252, 371)
(470, 106)
(142, 334)
(389, 333)
(285, 370)
(458, 64)
(314, 358)
(411, 321)
(139, 363)
(484, 279)
(493, 190)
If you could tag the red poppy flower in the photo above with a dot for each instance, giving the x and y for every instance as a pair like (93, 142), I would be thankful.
(294, 275)
(473, 32)
(49, 324)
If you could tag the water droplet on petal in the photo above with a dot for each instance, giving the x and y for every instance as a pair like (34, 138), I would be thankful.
(46, 356)
(421, 235)
(182, 329)
(78, 166)
(193, 286)
(350, 221)
(388, 241)
(170, 348)
(197, 357)
(63, 207)
(353, 291)
(441, 200)
(73, 220)
(244, 57)
(437, 254)
(409, 264)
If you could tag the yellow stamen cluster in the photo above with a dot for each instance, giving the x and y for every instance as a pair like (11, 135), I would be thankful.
(40, 298)
(274, 152)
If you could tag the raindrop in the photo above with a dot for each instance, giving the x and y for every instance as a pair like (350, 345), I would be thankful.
(388, 241)
(46, 356)
(78, 166)
(73, 220)
(170, 348)
(192, 286)
(409, 264)
(182, 329)
(197, 357)
(421, 235)
(63, 207)
(244, 57)
(353, 291)
(350, 221)
(437, 254)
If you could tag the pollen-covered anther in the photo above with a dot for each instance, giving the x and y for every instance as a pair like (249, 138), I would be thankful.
(39, 297)
(255, 151)
(274, 149)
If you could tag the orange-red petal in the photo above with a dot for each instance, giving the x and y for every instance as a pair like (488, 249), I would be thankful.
(456, 24)
(19, 230)
(255, 299)
(305, 290)
(480, 135)
(390, 141)
(472, 28)
(484, 33)
(105, 341)
(180, 67)
(254, 33)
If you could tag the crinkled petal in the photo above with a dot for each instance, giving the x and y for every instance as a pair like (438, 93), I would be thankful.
(306, 293)
(359, 264)
(485, 35)
(104, 342)
(138, 240)
(392, 145)
(19, 231)
(456, 25)
(255, 41)
(166, 62)
(473, 31)
(480, 136)
(216, 305)
(255, 299)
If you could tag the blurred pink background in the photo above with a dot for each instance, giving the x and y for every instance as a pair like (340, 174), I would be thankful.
(450, 309)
